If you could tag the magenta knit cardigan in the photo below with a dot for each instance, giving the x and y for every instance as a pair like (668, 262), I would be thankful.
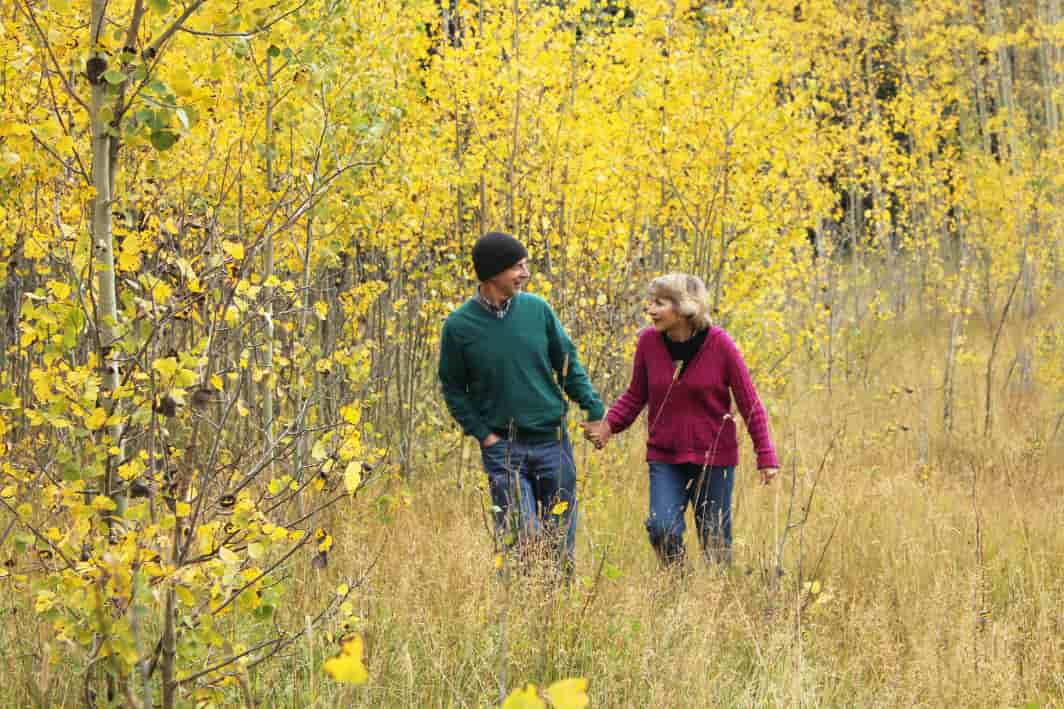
(694, 423)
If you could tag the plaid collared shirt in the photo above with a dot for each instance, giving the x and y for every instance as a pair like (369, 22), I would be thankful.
(498, 311)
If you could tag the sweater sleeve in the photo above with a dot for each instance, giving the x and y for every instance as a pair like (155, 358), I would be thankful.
(564, 360)
(629, 404)
(454, 380)
(749, 404)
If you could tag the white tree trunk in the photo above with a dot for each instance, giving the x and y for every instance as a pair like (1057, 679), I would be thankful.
(103, 250)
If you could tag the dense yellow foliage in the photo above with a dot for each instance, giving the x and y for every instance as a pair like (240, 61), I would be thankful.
(190, 369)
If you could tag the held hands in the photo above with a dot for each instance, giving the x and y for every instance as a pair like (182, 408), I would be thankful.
(767, 474)
(489, 441)
(598, 432)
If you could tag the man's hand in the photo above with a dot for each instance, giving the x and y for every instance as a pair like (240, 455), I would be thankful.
(491, 440)
(767, 474)
(598, 432)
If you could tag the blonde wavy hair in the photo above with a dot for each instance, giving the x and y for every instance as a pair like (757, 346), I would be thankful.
(688, 295)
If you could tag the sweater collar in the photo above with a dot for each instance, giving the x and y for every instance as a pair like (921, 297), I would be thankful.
(498, 311)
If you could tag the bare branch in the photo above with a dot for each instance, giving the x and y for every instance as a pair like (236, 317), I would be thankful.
(247, 33)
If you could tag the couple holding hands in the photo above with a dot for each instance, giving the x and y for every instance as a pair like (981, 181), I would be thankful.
(505, 360)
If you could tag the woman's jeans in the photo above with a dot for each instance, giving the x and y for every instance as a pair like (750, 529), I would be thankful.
(672, 487)
(533, 494)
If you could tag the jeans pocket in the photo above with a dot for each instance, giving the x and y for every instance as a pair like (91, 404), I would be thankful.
(494, 458)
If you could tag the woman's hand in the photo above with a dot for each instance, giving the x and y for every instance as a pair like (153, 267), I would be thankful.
(767, 474)
(598, 432)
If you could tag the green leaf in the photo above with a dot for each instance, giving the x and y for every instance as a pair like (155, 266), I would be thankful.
(22, 541)
(114, 77)
(160, 6)
(163, 139)
(274, 51)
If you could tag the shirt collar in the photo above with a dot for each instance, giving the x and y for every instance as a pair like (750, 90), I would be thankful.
(498, 311)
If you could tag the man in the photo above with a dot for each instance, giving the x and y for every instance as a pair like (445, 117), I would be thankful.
(504, 361)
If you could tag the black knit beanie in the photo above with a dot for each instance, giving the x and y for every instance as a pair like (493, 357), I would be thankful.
(494, 253)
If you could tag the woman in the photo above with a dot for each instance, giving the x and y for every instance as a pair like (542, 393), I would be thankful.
(687, 371)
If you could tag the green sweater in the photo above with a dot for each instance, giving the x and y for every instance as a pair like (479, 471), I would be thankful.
(497, 371)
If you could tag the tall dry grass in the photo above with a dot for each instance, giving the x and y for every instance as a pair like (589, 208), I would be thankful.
(916, 570)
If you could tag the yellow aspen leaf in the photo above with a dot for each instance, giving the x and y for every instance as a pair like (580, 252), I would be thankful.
(129, 256)
(235, 250)
(103, 503)
(342, 589)
(33, 249)
(228, 556)
(318, 452)
(321, 309)
(241, 409)
(256, 550)
(8, 492)
(498, 561)
(348, 666)
(59, 290)
(326, 543)
(568, 693)
(24, 510)
(161, 292)
(53, 534)
(527, 698)
(182, 85)
(217, 382)
(184, 595)
(183, 509)
(166, 366)
(353, 476)
(559, 508)
(96, 419)
(352, 414)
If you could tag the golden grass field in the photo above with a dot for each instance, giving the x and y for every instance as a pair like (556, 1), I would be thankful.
(934, 582)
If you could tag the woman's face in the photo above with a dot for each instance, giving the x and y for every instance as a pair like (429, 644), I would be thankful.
(662, 313)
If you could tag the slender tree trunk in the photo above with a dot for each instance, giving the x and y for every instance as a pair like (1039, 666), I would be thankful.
(988, 413)
(1004, 71)
(103, 249)
(515, 135)
(268, 413)
(956, 328)
(727, 228)
(884, 243)
(982, 114)
(1048, 56)
(169, 649)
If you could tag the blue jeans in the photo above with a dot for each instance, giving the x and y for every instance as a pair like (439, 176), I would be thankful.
(672, 487)
(527, 483)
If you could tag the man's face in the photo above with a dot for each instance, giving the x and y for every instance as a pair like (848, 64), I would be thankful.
(513, 279)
